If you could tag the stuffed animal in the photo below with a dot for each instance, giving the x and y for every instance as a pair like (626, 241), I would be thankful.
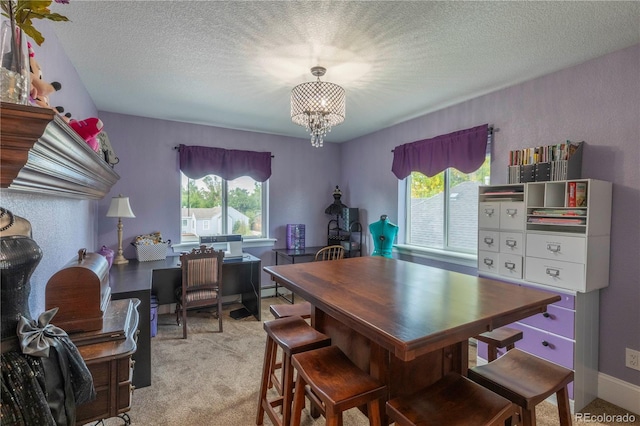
(40, 89)
(88, 129)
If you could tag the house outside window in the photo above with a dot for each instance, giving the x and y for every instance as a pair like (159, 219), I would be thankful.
(442, 211)
(214, 206)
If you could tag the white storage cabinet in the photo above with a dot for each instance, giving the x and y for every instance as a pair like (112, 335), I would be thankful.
(533, 235)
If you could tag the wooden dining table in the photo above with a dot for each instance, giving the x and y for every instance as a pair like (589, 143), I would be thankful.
(405, 323)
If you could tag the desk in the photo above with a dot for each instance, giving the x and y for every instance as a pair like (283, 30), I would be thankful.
(290, 255)
(404, 323)
(138, 279)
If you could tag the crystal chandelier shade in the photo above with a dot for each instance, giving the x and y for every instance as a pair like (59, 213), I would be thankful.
(317, 106)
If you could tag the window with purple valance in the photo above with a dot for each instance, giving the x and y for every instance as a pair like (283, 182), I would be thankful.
(464, 150)
(197, 162)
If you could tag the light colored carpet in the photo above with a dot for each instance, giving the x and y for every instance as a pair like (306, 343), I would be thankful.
(213, 378)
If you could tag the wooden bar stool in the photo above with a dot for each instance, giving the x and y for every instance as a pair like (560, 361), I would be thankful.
(526, 380)
(293, 335)
(335, 385)
(296, 310)
(453, 400)
(499, 338)
(290, 310)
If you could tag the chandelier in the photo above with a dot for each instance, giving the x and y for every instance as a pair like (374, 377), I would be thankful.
(317, 106)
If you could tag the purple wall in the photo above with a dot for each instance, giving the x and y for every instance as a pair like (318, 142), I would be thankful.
(300, 186)
(73, 96)
(598, 102)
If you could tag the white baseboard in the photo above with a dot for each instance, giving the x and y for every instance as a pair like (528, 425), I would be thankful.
(623, 394)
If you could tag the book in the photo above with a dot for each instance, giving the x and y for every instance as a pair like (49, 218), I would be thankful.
(581, 194)
(572, 194)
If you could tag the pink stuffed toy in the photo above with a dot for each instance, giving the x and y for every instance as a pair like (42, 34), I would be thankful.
(88, 129)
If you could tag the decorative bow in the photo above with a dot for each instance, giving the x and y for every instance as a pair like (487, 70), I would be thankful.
(36, 338)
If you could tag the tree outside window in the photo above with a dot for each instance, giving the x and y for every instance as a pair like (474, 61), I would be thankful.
(229, 207)
(442, 210)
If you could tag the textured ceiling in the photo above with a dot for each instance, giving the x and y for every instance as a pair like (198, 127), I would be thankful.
(233, 63)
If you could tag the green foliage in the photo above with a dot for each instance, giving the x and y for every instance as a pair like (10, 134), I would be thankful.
(209, 194)
(212, 191)
(241, 228)
(250, 204)
(425, 187)
(24, 11)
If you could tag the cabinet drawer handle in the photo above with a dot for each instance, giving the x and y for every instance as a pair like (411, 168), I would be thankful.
(510, 265)
(546, 315)
(511, 243)
(555, 273)
(545, 343)
(512, 212)
(488, 241)
(488, 262)
(553, 248)
(488, 212)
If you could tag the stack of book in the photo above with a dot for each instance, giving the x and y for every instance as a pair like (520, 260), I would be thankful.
(295, 236)
(546, 163)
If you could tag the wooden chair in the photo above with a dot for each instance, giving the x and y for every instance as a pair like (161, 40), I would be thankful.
(201, 284)
(296, 310)
(335, 385)
(330, 253)
(453, 400)
(293, 335)
(526, 380)
(499, 338)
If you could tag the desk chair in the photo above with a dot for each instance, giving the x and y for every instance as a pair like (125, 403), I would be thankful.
(201, 284)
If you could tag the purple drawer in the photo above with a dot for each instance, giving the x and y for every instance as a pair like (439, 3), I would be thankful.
(546, 345)
(556, 320)
(568, 301)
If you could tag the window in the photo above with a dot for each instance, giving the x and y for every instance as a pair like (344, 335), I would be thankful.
(442, 211)
(214, 206)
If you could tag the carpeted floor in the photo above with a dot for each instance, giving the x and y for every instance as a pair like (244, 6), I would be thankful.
(212, 379)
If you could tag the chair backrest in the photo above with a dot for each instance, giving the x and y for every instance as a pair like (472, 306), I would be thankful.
(202, 268)
(330, 253)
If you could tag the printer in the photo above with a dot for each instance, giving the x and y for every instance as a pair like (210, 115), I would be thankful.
(231, 244)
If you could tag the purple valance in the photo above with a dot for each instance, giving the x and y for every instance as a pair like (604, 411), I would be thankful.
(197, 162)
(465, 150)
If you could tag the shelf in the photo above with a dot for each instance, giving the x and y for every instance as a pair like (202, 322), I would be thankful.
(41, 153)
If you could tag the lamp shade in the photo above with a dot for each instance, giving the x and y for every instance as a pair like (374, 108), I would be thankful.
(120, 207)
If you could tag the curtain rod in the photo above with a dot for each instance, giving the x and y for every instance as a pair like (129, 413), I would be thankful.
(492, 130)
(177, 148)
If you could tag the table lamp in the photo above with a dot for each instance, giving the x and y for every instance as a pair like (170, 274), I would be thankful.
(120, 208)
